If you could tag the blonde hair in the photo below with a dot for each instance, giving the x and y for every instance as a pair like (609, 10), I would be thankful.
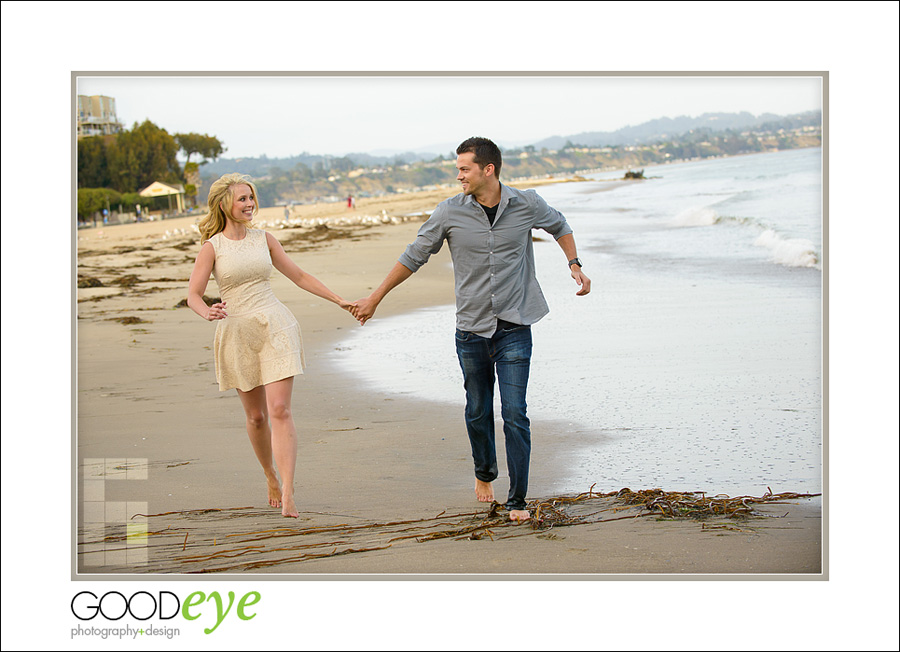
(220, 201)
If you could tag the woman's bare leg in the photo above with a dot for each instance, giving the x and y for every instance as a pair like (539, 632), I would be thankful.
(255, 408)
(284, 440)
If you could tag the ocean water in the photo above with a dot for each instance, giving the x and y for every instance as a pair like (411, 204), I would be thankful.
(696, 361)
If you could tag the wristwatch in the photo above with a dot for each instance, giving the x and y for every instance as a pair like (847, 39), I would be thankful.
(575, 261)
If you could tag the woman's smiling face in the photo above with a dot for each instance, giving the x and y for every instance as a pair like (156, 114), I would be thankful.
(243, 204)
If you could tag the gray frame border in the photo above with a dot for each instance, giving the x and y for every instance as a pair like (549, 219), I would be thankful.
(75, 576)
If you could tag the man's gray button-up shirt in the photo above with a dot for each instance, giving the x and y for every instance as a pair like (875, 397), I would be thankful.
(493, 266)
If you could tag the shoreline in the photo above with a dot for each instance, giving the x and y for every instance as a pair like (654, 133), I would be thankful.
(530, 182)
(146, 383)
(416, 202)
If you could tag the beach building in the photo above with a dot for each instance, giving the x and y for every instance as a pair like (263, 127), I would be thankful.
(160, 189)
(96, 116)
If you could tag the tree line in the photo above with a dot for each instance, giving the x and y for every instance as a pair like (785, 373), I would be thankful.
(113, 169)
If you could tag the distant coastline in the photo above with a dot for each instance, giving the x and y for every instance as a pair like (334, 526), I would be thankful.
(414, 201)
(315, 178)
(286, 191)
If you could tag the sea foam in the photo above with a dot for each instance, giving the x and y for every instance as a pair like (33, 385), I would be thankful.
(704, 216)
(791, 252)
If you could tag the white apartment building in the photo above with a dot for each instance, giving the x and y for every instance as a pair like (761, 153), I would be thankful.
(96, 116)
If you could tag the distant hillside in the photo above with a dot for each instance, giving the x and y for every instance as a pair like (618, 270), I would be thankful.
(659, 130)
(671, 128)
(262, 165)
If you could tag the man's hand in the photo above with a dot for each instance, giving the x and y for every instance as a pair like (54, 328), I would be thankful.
(582, 280)
(363, 309)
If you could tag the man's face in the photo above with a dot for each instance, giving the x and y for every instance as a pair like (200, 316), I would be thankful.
(471, 175)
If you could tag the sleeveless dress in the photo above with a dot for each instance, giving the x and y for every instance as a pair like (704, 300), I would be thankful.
(259, 341)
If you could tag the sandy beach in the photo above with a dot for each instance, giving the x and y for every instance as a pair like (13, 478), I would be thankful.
(384, 483)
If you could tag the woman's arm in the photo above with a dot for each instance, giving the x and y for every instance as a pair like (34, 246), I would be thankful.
(197, 286)
(301, 279)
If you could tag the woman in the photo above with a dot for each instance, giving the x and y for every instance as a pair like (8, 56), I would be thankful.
(257, 347)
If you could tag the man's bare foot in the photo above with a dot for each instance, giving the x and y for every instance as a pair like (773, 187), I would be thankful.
(289, 509)
(274, 492)
(520, 515)
(484, 491)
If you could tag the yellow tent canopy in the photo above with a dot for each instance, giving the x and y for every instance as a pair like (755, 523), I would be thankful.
(160, 189)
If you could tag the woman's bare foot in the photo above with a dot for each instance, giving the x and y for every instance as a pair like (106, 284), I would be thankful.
(289, 509)
(274, 491)
(484, 491)
(520, 515)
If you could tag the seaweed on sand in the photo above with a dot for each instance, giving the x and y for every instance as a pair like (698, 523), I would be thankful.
(227, 540)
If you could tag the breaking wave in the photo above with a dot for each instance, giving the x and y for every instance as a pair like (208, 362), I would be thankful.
(791, 252)
(704, 216)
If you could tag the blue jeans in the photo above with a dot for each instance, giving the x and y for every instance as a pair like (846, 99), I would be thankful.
(509, 353)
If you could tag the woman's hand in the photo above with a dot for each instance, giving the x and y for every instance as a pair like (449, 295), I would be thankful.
(363, 309)
(216, 311)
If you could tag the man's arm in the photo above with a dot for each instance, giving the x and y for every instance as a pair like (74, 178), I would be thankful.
(552, 221)
(567, 244)
(363, 309)
(428, 241)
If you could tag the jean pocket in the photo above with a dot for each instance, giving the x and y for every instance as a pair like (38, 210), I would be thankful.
(463, 336)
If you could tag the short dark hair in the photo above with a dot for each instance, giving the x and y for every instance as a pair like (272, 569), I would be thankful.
(486, 152)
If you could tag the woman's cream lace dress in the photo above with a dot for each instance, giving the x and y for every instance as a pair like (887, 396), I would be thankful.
(259, 341)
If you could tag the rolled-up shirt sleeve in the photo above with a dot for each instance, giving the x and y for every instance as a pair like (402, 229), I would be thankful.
(546, 217)
(428, 241)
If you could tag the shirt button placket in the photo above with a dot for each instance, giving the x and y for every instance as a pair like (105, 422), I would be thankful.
(491, 266)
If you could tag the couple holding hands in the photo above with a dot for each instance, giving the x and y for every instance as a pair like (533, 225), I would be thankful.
(258, 349)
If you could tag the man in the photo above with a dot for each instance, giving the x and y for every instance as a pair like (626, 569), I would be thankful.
(488, 227)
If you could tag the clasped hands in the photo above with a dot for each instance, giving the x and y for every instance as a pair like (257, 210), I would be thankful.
(361, 309)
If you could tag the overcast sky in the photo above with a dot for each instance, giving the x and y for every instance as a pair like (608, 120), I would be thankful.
(286, 115)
